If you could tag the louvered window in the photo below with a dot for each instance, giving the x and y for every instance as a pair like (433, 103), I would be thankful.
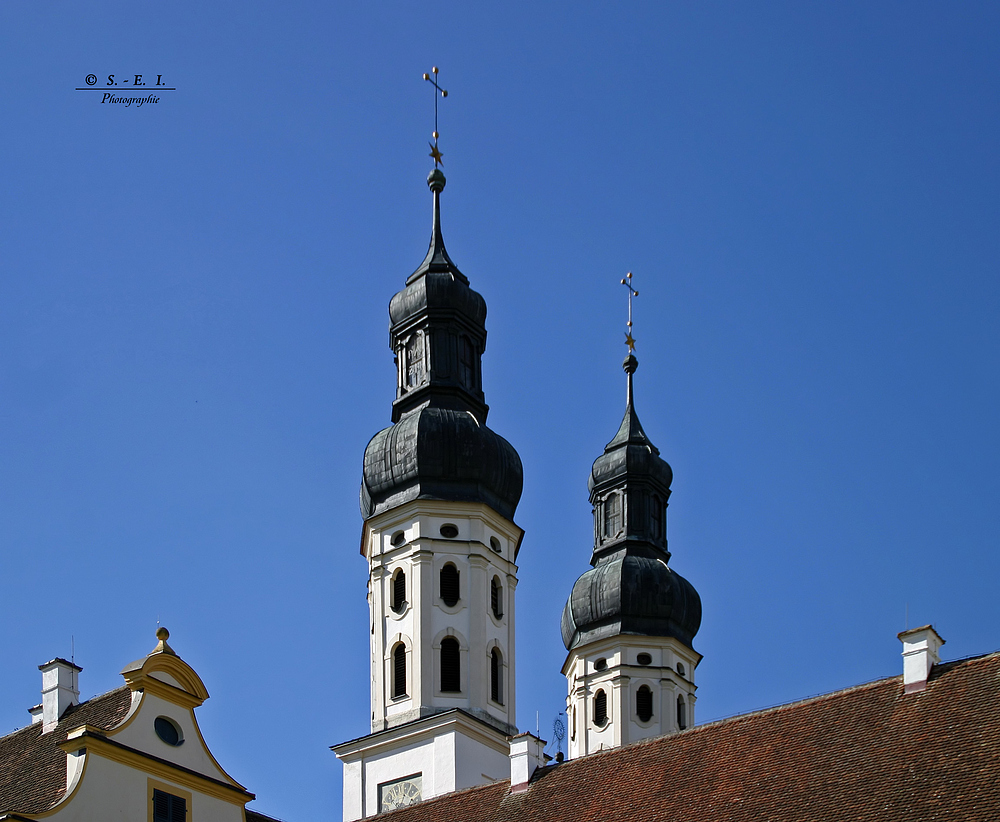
(415, 360)
(466, 363)
(496, 676)
(644, 703)
(451, 665)
(496, 597)
(601, 708)
(656, 518)
(681, 713)
(612, 515)
(168, 808)
(399, 671)
(399, 592)
(449, 585)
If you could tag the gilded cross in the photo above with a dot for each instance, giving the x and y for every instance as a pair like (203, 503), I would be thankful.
(627, 282)
(432, 79)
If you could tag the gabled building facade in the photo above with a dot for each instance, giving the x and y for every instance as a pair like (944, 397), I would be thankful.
(134, 753)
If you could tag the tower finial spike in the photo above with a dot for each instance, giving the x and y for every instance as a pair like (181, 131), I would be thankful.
(629, 339)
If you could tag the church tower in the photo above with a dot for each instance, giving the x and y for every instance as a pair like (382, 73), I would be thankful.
(438, 496)
(630, 621)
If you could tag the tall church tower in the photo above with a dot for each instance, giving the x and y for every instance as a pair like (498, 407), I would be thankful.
(630, 621)
(438, 496)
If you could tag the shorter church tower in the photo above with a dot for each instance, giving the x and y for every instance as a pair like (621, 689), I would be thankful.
(630, 621)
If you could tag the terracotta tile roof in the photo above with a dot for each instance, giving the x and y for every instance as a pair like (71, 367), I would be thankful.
(866, 753)
(33, 769)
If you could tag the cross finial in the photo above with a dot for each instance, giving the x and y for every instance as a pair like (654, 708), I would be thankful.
(629, 340)
(432, 79)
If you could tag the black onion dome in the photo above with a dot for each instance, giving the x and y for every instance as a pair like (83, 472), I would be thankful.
(439, 446)
(630, 589)
(440, 453)
(631, 594)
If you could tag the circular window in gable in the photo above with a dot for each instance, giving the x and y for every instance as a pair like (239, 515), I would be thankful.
(168, 731)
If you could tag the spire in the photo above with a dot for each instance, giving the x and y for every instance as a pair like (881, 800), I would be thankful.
(437, 258)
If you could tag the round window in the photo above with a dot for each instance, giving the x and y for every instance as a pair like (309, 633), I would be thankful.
(168, 731)
(495, 544)
(449, 531)
(601, 665)
(644, 659)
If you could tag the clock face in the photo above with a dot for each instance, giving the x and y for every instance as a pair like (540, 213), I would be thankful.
(400, 793)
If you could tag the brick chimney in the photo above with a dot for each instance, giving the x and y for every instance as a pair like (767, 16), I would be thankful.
(920, 654)
(60, 689)
(526, 754)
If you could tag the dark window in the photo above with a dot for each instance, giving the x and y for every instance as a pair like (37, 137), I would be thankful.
(168, 808)
(398, 539)
(680, 668)
(612, 515)
(466, 363)
(601, 708)
(601, 665)
(399, 671)
(449, 531)
(414, 360)
(167, 731)
(644, 659)
(451, 664)
(399, 592)
(449, 585)
(681, 713)
(496, 597)
(656, 520)
(644, 703)
(495, 544)
(496, 676)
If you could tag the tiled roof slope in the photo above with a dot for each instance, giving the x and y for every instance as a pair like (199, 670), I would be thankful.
(33, 769)
(866, 753)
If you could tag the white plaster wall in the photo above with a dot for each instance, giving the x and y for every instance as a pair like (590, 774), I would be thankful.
(111, 792)
(139, 734)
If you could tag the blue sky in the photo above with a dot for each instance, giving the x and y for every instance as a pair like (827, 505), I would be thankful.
(193, 331)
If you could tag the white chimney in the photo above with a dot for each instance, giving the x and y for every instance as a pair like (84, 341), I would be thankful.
(60, 689)
(920, 654)
(526, 754)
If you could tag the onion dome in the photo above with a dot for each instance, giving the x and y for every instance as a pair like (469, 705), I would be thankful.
(439, 446)
(630, 589)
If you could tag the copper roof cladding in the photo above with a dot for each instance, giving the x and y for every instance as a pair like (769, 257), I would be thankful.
(33, 768)
(866, 754)
(439, 446)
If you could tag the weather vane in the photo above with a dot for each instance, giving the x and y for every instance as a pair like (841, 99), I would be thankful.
(629, 340)
(432, 79)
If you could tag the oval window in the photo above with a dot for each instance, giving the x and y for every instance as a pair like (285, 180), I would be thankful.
(644, 659)
(601, 665)
(168, 731)
(449, 531)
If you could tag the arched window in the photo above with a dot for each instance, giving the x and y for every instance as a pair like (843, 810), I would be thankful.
(496, 597)
(656, 517)
(449, 585)
(612, 515)
(644, 703)
(601, 709)
(399, 671)
(681, 713)
(451, 665)
(398, 592)
(414, 360)
(496, 676)
(466, 363)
